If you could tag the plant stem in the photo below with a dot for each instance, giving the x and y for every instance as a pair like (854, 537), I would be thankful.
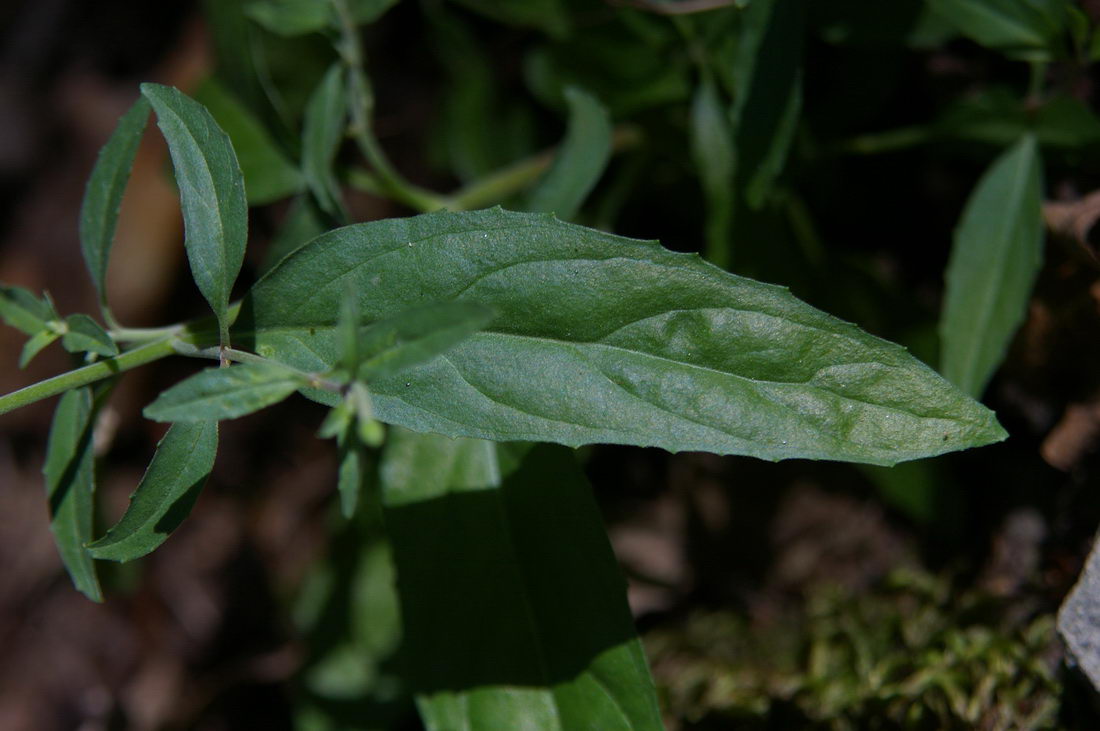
(878, 142)
(361, 104)
(88, 374)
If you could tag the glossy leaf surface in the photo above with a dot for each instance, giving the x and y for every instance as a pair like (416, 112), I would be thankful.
(166, 494)
(215, 213)
(599, 338)
(70, 487)
(224, 393)
(86, 335)
(580, 160)
(103, 194)
(506, 624)
(994, 261)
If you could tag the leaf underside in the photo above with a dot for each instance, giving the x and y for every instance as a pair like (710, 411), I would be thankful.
(600, 338)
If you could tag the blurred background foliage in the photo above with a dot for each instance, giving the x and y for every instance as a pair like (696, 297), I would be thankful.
(829, 147)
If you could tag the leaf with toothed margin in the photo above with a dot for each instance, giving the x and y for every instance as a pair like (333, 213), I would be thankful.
(599, 338)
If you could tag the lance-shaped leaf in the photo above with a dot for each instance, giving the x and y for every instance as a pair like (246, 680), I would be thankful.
(225, 393)
(23, 311)
(322, 132)
(35, 345)
(70, 487)
(1024, 29)
(768, 75)
(215, 213)
(165, 495)
(600, 338)
(268, 174)
(506, 624)
(580, 161)
(997, 254)
(103, 194)
(296, 17)
(84, 335)
(712, 148)
(416, 336)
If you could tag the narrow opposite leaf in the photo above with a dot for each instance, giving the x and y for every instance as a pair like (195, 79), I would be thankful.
(86, 335)
(225, 393)
(20, 309)
(513, 606)
(215, 213)
(994, 261)
(70, 487)
(166, 494)
(599, 338)
(712, 148)
(580, 161)
(103, 194)
(323, 131)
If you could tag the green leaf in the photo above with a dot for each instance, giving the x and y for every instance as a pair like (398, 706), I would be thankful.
(322, 133)
(580, 161)
(215, 213)
(712, 148)
(768, 78)
(416, 336)
(268, 174)
(35, 345)
(23, 311)
(70, 487)
(165, 495)
(600, 338)
(513, 606)
(994, 261)
(352, 472)
(297, 17)
(85, 335)
(225, 393)
(1025, 29)
(547, 15)
(998, 116)
(103, 194)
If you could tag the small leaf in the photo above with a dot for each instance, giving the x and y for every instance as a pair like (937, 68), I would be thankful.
(994, 261)
(35, 345)
(215, 213)
(600, 338)
(513, 606)
(297, 17)
(166, 494)
(1024, 29)
(225, 393)
(416, 336)
(352, 472)
(70, 487)
(768, 101)
(712, 147)
(580, 161)
(103, 194)
(322, 133)
(85, 335)
(268, 174)
(23, 311)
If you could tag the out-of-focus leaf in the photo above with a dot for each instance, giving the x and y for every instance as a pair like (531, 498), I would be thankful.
(296, 17)
(103, 194)
(215, 213)
(35, 345)
(999, 117)
(712, 147)
(84, 335)
(70, 487)
(301, 223)
(166, 494)
(225, 393)
(352, 471)
(599, 338)
(416, 336)
(768, 100)
(506, 624)
(580, 160)
(994, 261)
(23, 311)
(268, 174)
(1025, 29)
(322, 132)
